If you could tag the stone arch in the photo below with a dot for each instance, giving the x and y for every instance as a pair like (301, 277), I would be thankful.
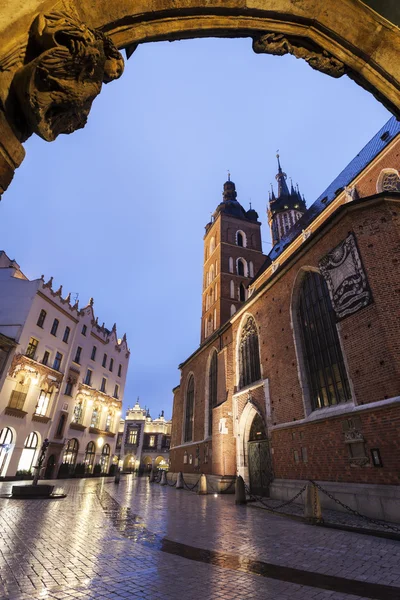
(129, 462)
(147, 462)
(161, 462)
(323, 36)
(242, 437)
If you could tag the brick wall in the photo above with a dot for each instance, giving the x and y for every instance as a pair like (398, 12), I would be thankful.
(328, 455)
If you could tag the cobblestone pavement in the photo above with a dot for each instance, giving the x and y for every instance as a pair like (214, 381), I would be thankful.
(142, 541)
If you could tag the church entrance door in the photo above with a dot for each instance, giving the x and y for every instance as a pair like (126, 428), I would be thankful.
(260, 467)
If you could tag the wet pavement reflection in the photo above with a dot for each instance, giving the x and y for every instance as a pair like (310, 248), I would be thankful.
(138, 540)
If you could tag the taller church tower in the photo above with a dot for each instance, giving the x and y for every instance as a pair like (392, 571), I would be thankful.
(285, 209)
(232, 256)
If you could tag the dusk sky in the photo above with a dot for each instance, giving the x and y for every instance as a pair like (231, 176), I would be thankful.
(117, 210)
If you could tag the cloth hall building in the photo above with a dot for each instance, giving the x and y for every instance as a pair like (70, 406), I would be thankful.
(297, 375)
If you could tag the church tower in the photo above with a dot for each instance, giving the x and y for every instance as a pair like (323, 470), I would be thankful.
(232, 256)
(285, 209)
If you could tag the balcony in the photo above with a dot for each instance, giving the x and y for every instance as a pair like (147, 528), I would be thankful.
(77, 426)
(40, 418)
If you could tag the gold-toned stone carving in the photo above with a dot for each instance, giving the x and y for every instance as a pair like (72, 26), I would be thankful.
(66, 65)
(318, 58)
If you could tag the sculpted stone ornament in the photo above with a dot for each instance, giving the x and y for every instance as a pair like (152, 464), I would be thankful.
(68, 63)
(281, 44)
(346, 279)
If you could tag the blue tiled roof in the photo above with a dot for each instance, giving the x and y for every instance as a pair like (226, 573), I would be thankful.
(363, 158)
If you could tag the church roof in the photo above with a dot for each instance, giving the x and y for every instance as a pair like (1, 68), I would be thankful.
(378, 143)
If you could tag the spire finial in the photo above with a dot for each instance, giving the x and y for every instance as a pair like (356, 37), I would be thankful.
(279, 164)
(229, 175)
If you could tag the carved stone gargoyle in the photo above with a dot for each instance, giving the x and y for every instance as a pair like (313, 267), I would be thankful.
(66, 65)
(281, 44)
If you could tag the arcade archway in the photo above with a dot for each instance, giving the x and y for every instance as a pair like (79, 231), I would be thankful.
(326, 37)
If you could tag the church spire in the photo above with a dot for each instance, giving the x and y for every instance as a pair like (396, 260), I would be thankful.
(281, 179)
(285, 208)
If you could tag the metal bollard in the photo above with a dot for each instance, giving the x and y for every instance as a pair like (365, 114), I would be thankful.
(163, 480)
(240, 491)
(179, 481)
(117, 476)
(151, 479)
(312, 505)
(202, 485)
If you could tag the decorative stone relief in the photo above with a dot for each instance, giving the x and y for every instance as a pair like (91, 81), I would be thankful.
(281, 44)
(344, 274)
(350, 193)
(65, 66)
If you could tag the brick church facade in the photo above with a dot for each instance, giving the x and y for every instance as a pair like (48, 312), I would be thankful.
(298, 371)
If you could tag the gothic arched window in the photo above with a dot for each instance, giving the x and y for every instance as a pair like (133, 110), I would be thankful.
(323, 358)
(189, 411)
(388, 181)
(242, 293)
(249, 356)
(212, 388)
(230, 264)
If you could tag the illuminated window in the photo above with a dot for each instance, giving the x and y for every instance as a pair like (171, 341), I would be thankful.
(95, 418)
(132, 437)
(71, 452)
(109, 420)
(32, 347)
(43, 403)
(28, 453)
(78, 413)
(89, 456)
(152, 441)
